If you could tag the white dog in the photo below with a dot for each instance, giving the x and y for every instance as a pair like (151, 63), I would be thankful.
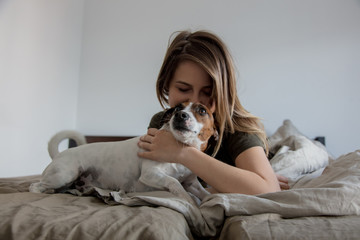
(116, 166)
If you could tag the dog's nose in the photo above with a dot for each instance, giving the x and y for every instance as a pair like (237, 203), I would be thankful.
(182, 115)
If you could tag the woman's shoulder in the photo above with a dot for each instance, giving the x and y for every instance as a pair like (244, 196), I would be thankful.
(242, 140)
(235, 143)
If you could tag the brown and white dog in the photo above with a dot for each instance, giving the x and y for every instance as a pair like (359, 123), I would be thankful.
(116, 165)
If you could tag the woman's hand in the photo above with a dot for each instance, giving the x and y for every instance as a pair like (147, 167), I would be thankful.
(283, 182)
(160, 145)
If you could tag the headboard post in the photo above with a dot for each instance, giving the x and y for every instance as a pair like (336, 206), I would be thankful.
(321, 139)
(93, 139)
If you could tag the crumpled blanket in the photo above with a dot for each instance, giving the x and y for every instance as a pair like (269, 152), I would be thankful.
(295, 155)
(334, 193)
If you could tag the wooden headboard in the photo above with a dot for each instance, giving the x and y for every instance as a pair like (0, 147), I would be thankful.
(93, 139)
(320, 139)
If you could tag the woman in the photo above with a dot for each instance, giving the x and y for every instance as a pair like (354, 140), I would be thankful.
(198, 68)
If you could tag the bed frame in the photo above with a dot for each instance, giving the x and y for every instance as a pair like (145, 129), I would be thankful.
(93, 139)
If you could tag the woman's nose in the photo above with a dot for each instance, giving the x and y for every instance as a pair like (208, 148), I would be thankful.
(194, 98)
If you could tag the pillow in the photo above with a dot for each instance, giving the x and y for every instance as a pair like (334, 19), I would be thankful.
(295, 154)
(284, 131)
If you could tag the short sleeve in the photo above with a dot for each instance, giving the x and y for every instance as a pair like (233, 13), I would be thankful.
(236, 143)
(239, 142)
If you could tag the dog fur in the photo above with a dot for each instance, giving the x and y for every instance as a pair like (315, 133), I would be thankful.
(116, 166)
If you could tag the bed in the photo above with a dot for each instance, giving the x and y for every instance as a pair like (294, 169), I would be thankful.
(323, 203)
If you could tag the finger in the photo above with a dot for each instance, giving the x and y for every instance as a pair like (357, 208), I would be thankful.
(147, 155)
(282, 178)
(284, 186)
(152, 131)
(144, 145)
(146, 138)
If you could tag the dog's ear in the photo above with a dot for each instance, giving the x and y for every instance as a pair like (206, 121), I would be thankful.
(167, 116)
(216, 135)
(212, 142)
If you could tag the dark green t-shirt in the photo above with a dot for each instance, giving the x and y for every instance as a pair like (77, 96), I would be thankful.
(232, 144)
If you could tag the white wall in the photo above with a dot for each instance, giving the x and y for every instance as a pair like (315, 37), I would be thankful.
(40, 44)
(296, 59)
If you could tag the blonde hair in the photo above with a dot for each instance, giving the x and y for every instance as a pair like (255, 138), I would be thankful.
(207, 50)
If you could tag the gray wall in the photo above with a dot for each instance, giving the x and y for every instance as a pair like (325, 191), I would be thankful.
(40, 46)
(92, 66)
(296, 59)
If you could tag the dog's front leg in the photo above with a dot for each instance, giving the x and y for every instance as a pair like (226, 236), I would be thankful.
(192, 185)
(156, 178)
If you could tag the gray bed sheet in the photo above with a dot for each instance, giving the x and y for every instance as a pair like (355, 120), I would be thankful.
(324, 207)
(25, 215)
(273, 226)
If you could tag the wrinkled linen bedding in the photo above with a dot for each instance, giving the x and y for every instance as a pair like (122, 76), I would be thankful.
(161, 215)
(323, 201)
(335, 193)
(273, 226)
(25, 215)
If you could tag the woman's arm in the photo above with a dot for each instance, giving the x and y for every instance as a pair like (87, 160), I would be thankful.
(252, 174)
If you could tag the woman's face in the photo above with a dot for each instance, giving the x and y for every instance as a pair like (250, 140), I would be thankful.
(191, 83)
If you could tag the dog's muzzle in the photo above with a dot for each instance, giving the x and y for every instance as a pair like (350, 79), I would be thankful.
(181, 121)
(181, 116)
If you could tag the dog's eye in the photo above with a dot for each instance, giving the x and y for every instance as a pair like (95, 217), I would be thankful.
(202, 111)
(177, 108)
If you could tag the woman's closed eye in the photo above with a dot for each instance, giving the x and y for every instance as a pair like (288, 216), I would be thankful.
(184, 89)
(207, 92)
